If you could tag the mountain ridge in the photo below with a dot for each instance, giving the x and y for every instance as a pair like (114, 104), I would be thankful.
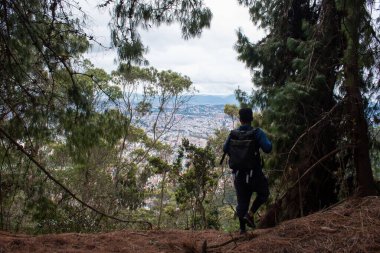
(203, 99)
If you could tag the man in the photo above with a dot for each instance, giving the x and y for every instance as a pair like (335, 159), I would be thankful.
(242, 146)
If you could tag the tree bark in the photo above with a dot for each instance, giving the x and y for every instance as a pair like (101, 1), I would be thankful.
(355, 109)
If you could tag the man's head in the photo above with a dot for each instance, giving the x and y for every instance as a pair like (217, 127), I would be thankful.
(245, 115)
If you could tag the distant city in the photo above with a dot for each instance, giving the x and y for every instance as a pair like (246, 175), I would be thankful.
(197, 120)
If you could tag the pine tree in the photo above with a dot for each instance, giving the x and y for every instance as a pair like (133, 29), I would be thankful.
(298, 68)
(354, 21)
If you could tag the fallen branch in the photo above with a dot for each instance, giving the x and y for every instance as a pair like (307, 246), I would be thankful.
(224, 243)
(233, 240)
(334, 205)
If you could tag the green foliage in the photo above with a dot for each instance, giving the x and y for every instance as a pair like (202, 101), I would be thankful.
(232, 111)
(129, 16)
(292, 44)
(298, 69)
(197, 180)
(375, 151)
(89, 140)
(82, 124)
(159, 165)
(85, 126)
(282, 71)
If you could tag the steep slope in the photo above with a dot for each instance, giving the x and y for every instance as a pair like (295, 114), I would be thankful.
(352, 226)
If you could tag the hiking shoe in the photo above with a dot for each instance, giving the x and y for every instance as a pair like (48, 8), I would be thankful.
(243, 231)
(249, 220)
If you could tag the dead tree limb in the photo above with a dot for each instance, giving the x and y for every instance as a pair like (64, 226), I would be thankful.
(315, 164)
(308, 130)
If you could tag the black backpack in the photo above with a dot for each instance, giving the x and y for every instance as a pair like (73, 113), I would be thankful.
(243, 151)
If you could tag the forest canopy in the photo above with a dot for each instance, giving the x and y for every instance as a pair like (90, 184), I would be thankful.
(75, 157)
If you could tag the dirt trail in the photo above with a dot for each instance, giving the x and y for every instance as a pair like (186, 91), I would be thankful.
(352, 226)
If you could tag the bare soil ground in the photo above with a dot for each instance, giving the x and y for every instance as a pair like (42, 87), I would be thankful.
(352, 226)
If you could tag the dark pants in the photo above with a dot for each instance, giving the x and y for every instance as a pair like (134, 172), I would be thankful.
(246, 183)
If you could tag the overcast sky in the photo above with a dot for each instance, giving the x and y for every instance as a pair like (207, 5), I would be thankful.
(210, 61)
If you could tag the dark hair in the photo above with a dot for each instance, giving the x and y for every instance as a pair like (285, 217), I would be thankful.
(245, 115)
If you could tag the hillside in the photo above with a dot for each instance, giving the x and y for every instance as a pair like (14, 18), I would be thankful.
(352, 226)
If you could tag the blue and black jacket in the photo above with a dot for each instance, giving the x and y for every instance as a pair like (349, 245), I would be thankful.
(260, 137)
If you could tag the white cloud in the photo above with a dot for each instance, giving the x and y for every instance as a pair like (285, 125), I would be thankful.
(210, 61)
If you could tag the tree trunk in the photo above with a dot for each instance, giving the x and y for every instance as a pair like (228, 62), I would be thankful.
(161, 199)
(355, 109)
(203, 213)
(1, 204)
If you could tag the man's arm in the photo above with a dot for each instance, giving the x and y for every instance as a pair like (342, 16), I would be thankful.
(263, 141)
(226, 144)
(225, 149)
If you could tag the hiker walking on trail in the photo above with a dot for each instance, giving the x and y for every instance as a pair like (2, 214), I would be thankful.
(242, 147)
